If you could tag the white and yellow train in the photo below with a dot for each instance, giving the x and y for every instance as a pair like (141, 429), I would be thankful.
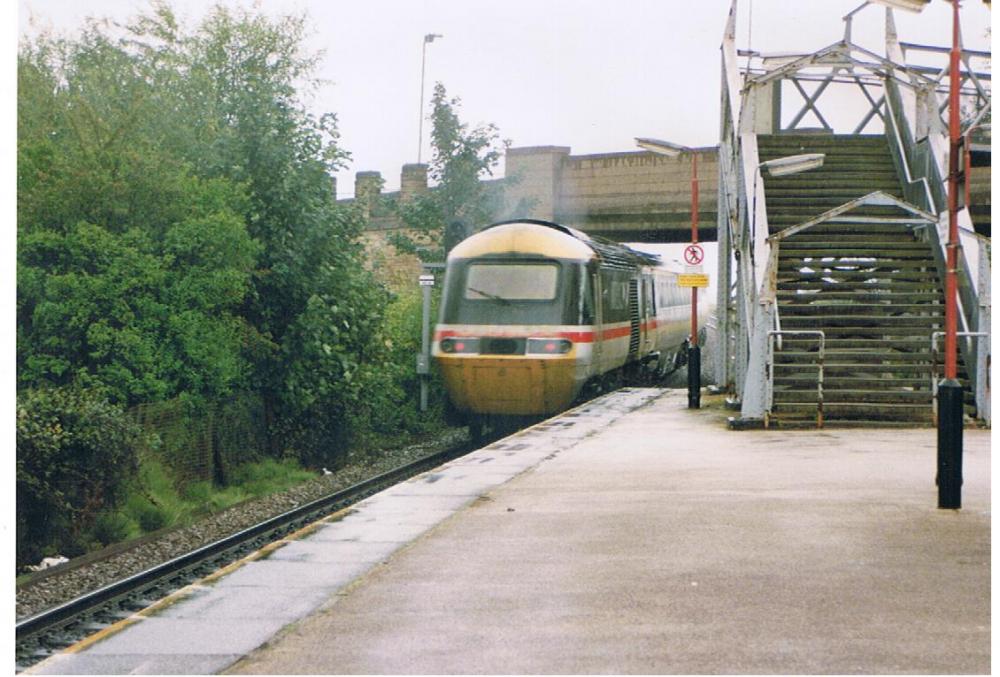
(534, 312)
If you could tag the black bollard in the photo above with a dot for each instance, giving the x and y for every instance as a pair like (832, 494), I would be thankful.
(694, 377)
(949, 444)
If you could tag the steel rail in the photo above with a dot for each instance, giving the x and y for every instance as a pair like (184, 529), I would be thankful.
(61, 617)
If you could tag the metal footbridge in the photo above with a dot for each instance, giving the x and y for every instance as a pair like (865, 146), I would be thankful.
(831, 280)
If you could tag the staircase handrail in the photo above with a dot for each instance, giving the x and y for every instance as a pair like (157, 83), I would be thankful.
(968, 284)
(737, 90)
(895, 113)
(938, 151)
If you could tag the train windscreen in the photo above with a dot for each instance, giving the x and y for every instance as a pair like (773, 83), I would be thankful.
(501, 291)
(512, 281)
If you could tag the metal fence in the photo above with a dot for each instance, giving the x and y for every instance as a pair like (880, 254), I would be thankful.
(198, 442)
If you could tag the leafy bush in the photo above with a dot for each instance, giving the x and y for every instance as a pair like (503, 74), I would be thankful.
(75, 458)
(152, 517)
(113, 527)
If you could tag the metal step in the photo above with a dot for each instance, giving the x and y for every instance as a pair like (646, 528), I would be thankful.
(862, 321)
(836, 396)
(821, 309)
(852, 178)
(870, 263)
(839, 249)
(900, 369)
(814, 282)
(892, 242)
(794, 342)
(835, 411)
(848, 357)
(805, 381)
(787, 422)
(886, 333)
(792, 297)
(923, 279)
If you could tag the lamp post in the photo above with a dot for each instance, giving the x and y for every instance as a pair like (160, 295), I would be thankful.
(423, 63)
(668, 149)
(950, 412)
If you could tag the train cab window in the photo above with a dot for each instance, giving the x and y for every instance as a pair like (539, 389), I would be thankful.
(587, 315)
(512, 281)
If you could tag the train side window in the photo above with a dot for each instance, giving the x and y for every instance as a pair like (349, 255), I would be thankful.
(614, 295)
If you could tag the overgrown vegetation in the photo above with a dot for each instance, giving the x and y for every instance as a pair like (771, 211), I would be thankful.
(179, 241)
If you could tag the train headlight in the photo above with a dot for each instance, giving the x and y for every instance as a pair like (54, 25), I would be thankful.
(552, 346)
(460, 344)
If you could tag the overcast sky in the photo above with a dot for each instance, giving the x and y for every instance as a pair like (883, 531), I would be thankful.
(588, 74)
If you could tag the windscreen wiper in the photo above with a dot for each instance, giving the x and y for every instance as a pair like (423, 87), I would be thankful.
(492, 297)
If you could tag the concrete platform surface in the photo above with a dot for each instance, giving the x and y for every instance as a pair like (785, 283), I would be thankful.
(667, 544)
(208, 625)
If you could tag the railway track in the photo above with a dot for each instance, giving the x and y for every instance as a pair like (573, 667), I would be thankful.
(40, 635)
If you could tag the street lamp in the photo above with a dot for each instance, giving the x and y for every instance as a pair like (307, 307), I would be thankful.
(908, 5)
(423, 63)
(668, 149)
(793, 164)
(782, 166)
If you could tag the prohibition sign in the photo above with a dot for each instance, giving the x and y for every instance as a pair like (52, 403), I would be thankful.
(693, 254)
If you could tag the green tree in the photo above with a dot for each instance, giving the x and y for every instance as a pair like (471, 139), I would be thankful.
(463, 199)
(313, 307)
(131, 270)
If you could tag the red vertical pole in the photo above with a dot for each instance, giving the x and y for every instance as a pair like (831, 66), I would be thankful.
(950, 414)
(694, 352)
(954, 134)
(694, 240)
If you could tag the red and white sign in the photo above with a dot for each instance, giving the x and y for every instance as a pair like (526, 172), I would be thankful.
(693, 254)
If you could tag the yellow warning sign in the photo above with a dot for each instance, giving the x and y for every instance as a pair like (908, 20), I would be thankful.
(692, 280)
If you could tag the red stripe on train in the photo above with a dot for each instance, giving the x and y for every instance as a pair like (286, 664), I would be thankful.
(574, 336)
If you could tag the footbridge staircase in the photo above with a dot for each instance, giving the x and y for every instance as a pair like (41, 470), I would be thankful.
(831, 278)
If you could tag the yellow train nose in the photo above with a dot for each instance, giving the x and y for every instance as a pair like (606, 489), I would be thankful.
(515, 386)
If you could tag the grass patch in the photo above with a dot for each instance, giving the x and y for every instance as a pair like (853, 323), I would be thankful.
(269, 476)
(155, 502)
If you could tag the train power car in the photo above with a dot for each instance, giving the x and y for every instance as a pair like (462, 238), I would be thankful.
(534, 312)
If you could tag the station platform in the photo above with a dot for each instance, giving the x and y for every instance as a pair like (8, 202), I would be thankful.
(631, 535)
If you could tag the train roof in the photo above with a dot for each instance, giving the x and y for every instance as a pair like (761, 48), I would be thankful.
(558, 240)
